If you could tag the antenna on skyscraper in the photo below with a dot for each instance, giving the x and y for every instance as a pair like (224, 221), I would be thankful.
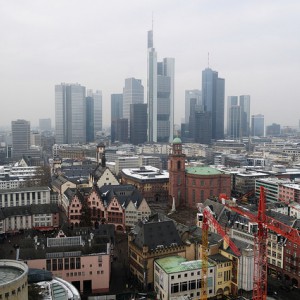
(208, 59)
(152, 21)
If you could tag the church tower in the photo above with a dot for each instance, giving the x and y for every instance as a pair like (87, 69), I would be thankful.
(100, 155)
(176, 167)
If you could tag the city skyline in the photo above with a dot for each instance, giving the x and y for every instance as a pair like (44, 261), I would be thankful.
(251, 44)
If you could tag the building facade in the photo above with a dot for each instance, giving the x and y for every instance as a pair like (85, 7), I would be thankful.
(150, 181)
(133, 93)
(93, 115)
(13, 284)
(138, 126)
(20, 138)
(258, 125)
(213, 93)
(116, 107)
(174, 276)
(160, 95)
(191, 185)
(70, 113)
(245, 115)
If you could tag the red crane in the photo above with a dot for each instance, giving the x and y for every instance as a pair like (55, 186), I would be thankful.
(207, 218)
(264, 223)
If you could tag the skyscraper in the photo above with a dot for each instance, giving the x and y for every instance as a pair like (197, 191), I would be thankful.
(20, 138)
(116, 107)
(138, 126)
(93, 115)
(70, 113)
(194, 96)
(133, 93)
(213, 93)
(235, 122)
(257, 125)
(231, 101)
(160, 96)
(245, 115)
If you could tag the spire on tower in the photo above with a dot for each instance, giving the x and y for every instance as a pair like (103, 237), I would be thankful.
(208, 59)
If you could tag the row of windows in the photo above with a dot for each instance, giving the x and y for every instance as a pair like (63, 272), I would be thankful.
(13, 292)
(23, 196)
(187, 286)
(71, 274)
(63, 264)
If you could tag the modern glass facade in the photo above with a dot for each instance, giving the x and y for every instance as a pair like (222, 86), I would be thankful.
(70, 114)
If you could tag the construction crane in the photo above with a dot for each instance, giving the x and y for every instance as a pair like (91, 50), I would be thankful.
(207, 218)
(260, 231)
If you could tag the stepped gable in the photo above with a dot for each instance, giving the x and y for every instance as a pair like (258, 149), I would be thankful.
(153, 234)
(72, 192)
(123, 193)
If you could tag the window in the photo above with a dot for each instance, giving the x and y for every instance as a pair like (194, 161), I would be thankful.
(72, 263)
(183, 286)
(54, 264)
(174, 288)
(179, 165)
(48, 264)
(78, 263)
(60, 264)
(67, 266)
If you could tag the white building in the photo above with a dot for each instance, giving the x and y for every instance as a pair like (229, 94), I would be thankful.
(24, 196)
(174, 277)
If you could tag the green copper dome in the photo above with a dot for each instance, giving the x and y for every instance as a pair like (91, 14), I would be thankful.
(177, 140)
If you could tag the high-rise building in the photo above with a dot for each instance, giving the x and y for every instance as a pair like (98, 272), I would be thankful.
(213, 93)
(20, 138)
(238, 116)
(192, 98)
(235, 122)
(257, 125)
(160, 96)
(245, 115)
(120, 128)
(273, 130)
(133, 93)
(231, 101)
(45, 124)
(70, 114)
(138, 126)
(116, 107)
(202, 132)
(93, 115)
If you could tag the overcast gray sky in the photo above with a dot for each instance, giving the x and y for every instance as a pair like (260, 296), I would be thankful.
(253, 44)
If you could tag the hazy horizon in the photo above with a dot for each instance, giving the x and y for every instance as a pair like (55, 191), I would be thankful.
(252, 44)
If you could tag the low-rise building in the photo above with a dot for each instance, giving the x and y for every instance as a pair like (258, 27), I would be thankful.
(174, 276)
(83, 260)
(38, 216)
(121, 205)
(13, 280)
(152, 182)
(25, 196)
